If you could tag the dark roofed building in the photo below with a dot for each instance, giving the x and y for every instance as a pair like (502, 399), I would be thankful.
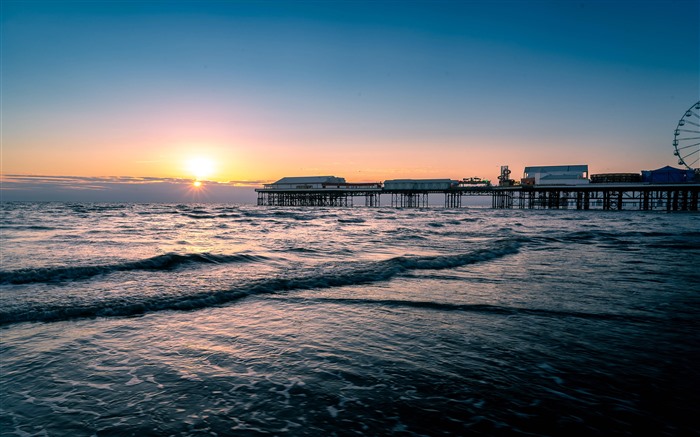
(668, 175)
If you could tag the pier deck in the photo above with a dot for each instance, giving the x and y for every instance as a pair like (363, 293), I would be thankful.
(636, 196)
(613, 196)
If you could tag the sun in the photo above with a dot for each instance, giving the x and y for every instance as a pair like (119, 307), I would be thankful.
(197, 184)
(200, 167)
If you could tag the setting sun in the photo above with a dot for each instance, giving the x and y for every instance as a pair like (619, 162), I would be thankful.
(200, 168)
(197, 184)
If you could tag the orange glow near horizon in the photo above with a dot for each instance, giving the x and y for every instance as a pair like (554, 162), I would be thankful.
(225, 157)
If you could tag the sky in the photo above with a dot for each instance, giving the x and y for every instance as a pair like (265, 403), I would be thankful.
(115, 100)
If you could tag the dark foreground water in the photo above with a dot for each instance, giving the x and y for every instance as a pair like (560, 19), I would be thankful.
(240, 320)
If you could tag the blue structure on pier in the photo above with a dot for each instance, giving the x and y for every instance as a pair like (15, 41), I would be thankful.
(668, 175)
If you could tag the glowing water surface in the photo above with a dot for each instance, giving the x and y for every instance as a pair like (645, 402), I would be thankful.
(240, 320)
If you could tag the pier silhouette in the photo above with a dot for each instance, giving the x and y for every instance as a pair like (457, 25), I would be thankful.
(591, 196)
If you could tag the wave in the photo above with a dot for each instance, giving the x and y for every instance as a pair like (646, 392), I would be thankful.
(675, 245)
(298, 250)
(486, 309)
(20, 227)
(199, 215)
(606, 236)
(166, 262)
(351, 220)
(332, 275)
(440, 262)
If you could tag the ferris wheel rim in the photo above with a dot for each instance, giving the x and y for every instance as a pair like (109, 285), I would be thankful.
(686, 136)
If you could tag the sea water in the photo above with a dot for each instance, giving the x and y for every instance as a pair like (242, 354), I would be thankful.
(175, 320)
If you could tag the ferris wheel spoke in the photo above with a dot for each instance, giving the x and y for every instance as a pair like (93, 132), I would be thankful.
(689, 130)
(689, 145)
(693, 163)
(688, 138)
(685, 159)
(692, 122)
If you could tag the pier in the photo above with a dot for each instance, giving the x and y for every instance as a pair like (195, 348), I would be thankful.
(608, 197)
(551, 187)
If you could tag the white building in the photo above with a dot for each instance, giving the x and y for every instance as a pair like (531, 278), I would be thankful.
(305, 182)
(419, 184)
(556, 175)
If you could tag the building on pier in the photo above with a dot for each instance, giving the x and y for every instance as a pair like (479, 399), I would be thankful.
(556, 175)
(668, 175)
(318, 191)
(304, 182)
(616, 178)
(413, 193)
(419, 184)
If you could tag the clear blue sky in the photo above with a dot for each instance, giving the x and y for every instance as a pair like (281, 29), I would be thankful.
(364, 90)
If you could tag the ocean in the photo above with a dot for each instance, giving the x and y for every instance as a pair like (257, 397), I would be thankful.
(216, 320)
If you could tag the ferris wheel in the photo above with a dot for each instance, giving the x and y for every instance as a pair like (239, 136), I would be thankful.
(686, 138)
